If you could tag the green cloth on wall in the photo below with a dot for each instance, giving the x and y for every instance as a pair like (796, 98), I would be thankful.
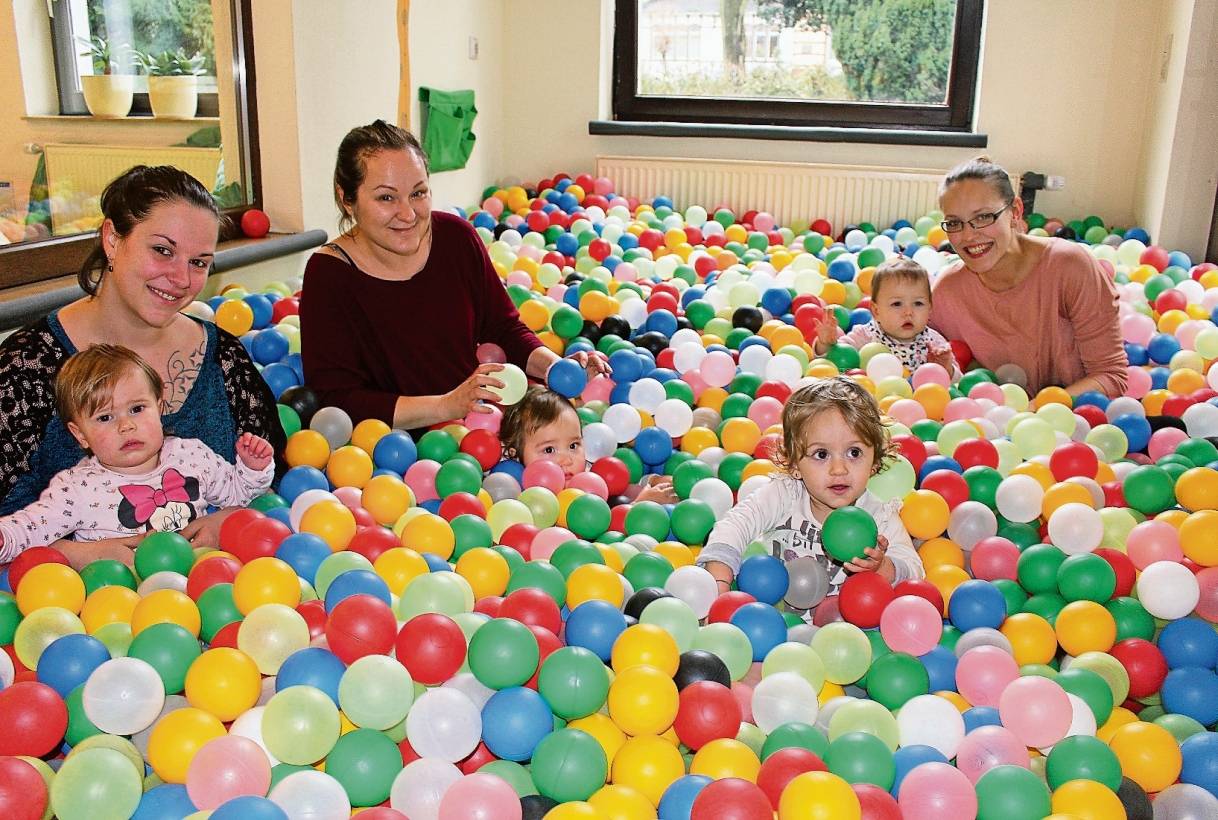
(448, 120)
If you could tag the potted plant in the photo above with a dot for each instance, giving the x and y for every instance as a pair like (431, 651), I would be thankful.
(108, 93)
(173, 85)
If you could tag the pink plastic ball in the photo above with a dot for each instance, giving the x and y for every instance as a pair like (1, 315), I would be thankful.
(1137, 328)
(548, 540)
(931, 373)
(602, 186)
(493, 206)
(934, 791)
(1164, 442)
(763, 222)
(1037, 710)
(350, 496)
(717, 369)
(907, 411)
(982, 674)
(986, 747)
(1153, 541)
(421, 479)
(480, 796)
(987, 390)
(993, 558)
(514, 221)
(599, 388)
(519, 277)
(911, 624)
(543, 474)
(484, 421)
(696, 383)
(557, 292)
(1207, 586)
(765, 411)
(1138, 382)
(743, 693)
(489, 352)
(626, 272)
(961, 410)
(591, 483)
(227, 767)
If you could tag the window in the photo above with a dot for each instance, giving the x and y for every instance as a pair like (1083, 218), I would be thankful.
(883, 64)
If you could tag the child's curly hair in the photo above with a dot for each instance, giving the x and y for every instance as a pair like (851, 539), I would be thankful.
(844, 395)
(535, 410)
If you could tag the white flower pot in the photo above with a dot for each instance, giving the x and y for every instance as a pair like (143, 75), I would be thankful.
(173, 97)
(108, 96)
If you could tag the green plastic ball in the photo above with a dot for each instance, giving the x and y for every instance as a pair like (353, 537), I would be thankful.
(457, 476)
(1012, 793)
(859, 757)
(365, 762)
(648, 518)
(437, 445)
(170, 650)
(106, 572)
(569, 765)
(895, 678)
(692, 521)
(588, 516)
(795, 736)
(574, 682)
(1037, 568)
(541, 575)
(847, 532)
(573, 554)
(163, 552)
(1086, 577)
(648, 569)
(503, 653)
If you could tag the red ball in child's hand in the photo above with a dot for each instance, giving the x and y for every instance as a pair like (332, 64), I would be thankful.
(255, 223)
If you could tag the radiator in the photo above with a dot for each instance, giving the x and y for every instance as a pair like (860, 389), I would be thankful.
(795, 193)
(77, 174)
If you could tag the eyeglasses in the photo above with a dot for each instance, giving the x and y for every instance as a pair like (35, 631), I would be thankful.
(976, 223)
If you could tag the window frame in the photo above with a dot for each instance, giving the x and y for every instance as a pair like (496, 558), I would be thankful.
(30, 262)
(954, 115)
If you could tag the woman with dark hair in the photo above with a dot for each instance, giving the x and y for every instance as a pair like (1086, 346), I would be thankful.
(1044, 305)
(394, 309)
(155, 248)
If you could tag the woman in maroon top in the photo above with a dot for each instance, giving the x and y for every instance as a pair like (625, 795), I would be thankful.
(394, 309)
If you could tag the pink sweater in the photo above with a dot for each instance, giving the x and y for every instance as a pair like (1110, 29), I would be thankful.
(1059, 324)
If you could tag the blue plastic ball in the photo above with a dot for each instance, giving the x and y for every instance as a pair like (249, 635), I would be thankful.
(279, 377)
(356, 582)
(1189, 642)
(933, 463)
(1200, 752)
(661, 321)
(940, 664)
(1136, 354)
(1192, 691)
(627, 367)
(842, 270)
(312, 666)
(1162, 347)
(510, 466)
(303, 552)
(567, 378)
(249, 807)
(907, 757)
(764, 577)
(763, 625)
(976, 604)
(269, 346)
(69, 660)
(262, 308)
(514, 721)
(1136, 429)
(300, 479)
(1139, 234)
(653, 445)
(395, 451)
(595, 625)
(979, 716)
(776, 300)
(677, 801)
(434, 562)
(168, 801)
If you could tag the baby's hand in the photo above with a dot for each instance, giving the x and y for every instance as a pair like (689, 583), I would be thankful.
(827, 332)
(942, 357)
(596, 363)
(876, 561)
(254, 451)
(660, 492)
(82, 553)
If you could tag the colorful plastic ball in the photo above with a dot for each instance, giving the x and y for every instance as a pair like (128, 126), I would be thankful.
(1148, 754)
(731, 798)
(925, 514)
(1083, 758)
(643, 700)
(764, 577)
(763, 625)
(35, 719)
(92, 778)
(708, 711)
(224, 682)
(24, 794)
(1036, 709)
(265, 581)
(1189, 690)
(863, 598)
(569, 764)
(310, 794)
(248, 806)
(1012, 792)
(226, 768)
(818, 795)
(69, 660)
(300, 725)
(176, 738)
(503, 653)
(365, 762)
(847, 532)
(360, 625)
(647, 764)
(50, 585)
(911, 624)
(1168, 590)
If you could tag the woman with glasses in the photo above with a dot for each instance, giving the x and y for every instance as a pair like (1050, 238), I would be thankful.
(1044, 305)
(393, 310)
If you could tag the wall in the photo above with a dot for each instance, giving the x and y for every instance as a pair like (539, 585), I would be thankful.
(1062, 90)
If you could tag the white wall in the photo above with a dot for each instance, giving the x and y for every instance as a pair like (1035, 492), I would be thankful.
(1062, 90)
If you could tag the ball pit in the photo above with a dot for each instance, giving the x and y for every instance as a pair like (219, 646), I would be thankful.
(433, 613)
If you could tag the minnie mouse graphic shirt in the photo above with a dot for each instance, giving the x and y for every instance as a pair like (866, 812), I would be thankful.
(89, 501)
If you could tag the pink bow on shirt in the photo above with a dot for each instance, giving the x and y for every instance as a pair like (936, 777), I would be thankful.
(147, 500)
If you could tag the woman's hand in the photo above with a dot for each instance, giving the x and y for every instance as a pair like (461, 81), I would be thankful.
(82, 553)
(596, 363)
(659, 491)
(876, 561)
(470, 394)
(205, 531)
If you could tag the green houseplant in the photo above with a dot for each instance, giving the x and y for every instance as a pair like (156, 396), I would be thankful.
(173, 86)
(108, 91)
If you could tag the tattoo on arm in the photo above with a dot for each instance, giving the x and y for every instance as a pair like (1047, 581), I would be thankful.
(183, 368)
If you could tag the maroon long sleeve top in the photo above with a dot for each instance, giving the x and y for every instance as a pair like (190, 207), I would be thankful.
(366, 341)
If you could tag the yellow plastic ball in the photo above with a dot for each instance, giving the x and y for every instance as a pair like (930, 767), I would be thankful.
(1120, 717)
(712, 397)
(740, 435)
(1197, 489)
(41, 628)
(698, 439)
(1042, 474)
(165, 606)
(647, 764)
(726, 757)
(486, 570)
(574, 810)
(677, 554)
(1061, 493)
(50, 585)
(349, 466)
(1053, 395)
(330, 521)
(619, 802)
(108, 605)
(933, 398)
(828, 691)
(307, 447)
(946, 578)
(955, 699)
(1148, 754)
(399, 566)
(1197, 537)
(368, 432)
(429, 533)
(223, 682)
(1088, 800)
(1033, 639)
(646, 645)
(235, 316)
(643, 701)
(386, 498)
(565, 497)
(594, 582)
(758, 466)
(265, 580)
(818, 796)
(925, 514)
(177, 737)
(1185, 381)
(1085, 626)
(938, 551)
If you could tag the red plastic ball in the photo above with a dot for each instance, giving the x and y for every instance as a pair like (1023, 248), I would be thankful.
(775, 390)
(362, 625)
(27, 560)
(520, 538)
(547, 644)
(731, 798)
(233, 524)
(1156, 257)
(693, 235)
(461, 504)
(1114, 494)
(863, 597)
(962, 352)
(824, 228)
(651, 239)
(372, 542)
(484, 446)
(489, 605)
(431, 646)
(34, 718)
(993, 558)
(913, 448)
(922, 588)
(1176, 405)
(705, 265)
(255, 223)
(206, 574)
(615, 473)
(314, 614)
(478, 758)
(1145, 664)
(226, 637)
(663, 301)
(23, 792)
(807, 317)
(1092, 415)
(667, 358)
(532, 607)
(283, 308)
(876, 804)
(617, 515)
(767, 446)
(725, 606)
(783, 766)
(1125, 571)
(259, 539)
(707, 711)
(1171, 299)
(949, 484)
(1073, 459)
(977, 452)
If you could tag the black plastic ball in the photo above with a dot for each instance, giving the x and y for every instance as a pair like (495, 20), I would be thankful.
(698, 665)
(303, 400)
